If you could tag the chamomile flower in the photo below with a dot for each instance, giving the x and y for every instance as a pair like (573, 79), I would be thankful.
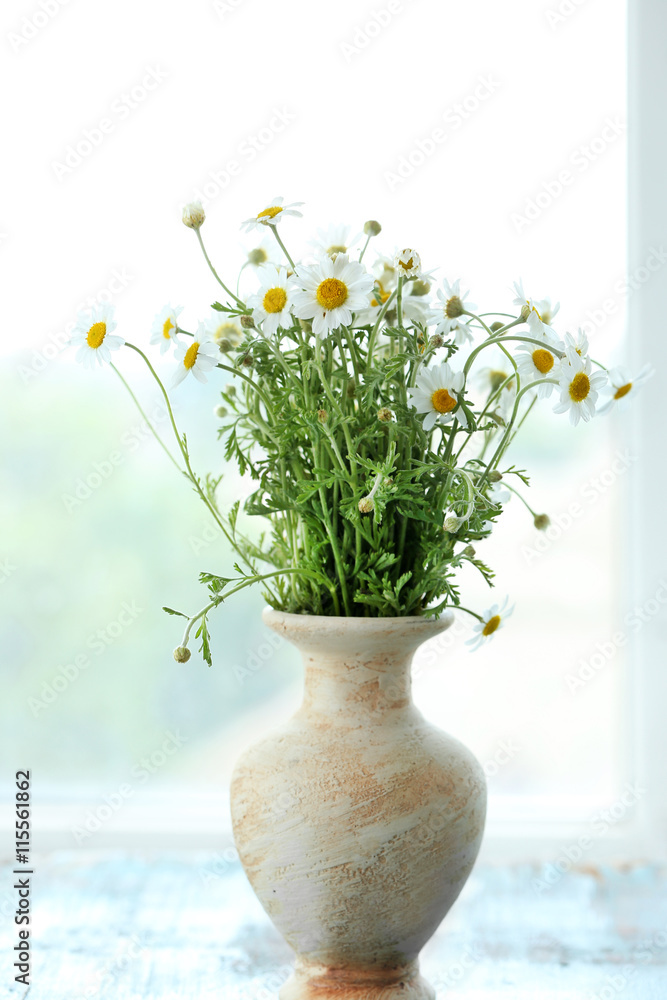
(408, 263)
(272, 214)
(492, 620)
(225, 332)
(436, 395)
(546, 311)
(334, 240)
(272, 304)
(578, 343)
(196, 358)
(329, 291)
(541, 362)
(165, 327)
(538, 314)
(578, 387)
(265, 253)
(520, 298)
(448, 314)
(93, 335)
(621, 387)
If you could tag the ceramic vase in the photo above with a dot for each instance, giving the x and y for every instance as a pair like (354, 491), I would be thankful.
(357, 821)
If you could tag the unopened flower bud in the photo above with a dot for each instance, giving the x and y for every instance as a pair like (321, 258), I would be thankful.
(541, 522)
(388, 481)
(194, 215)
(454, 307)
(452, 523)
(420, 287)
(221, 411)
(230, 390)
(469, 551)
(436, 340)
(366, 505)
(385, 414)
(247, 322)
(258, 256)
(495, 477)
(496, 326)
(351, 389)
(225, 345)
(322, 416)
(372, 228)
(182, 654)
(525, 312)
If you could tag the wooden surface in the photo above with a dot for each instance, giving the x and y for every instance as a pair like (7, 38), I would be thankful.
(187, 927)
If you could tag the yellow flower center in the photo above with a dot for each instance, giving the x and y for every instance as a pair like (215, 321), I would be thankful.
(168, 325)
(491, 625)
(580, 386)
(381, 295)
(406, 265)
(336, 250)
(454, 307)
(96, 335)
(191, 355)
(270, 213)
(442, 401)
(331, 293)
(623, 391)
(543, 360)
(274, 300)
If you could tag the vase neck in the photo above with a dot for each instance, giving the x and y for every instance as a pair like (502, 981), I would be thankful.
(348, 686)
(357, 670)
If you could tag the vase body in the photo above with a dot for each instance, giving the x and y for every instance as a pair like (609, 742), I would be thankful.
(357, 821)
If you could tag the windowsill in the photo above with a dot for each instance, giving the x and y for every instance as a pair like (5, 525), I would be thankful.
(518, 829)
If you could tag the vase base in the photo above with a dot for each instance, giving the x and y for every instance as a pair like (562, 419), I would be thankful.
(322, 983)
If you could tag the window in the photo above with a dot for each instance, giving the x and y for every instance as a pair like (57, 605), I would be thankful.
(507, 161)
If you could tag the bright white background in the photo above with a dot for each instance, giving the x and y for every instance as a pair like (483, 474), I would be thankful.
(520, 95)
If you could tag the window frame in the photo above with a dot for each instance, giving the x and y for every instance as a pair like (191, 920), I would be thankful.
(644, 833)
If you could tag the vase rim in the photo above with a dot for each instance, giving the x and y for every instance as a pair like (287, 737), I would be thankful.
(442, 622)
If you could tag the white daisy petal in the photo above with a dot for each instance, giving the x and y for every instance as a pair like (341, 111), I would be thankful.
(165, 327)
(93, 335)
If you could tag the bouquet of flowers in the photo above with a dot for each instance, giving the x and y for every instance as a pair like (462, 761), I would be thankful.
(359, 405)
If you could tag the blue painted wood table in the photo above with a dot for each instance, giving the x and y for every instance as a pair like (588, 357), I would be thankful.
(110, 926)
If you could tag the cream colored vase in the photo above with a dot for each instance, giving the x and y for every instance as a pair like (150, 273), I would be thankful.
(357, 821)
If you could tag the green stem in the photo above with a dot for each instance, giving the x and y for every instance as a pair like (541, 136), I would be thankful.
(506, 436)
(186, 458)
(215, 274)
(365, 247)
(258, 578)
(152, 429)
(521, 498)
(282, 246)
(501, 340)
(381, 315)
